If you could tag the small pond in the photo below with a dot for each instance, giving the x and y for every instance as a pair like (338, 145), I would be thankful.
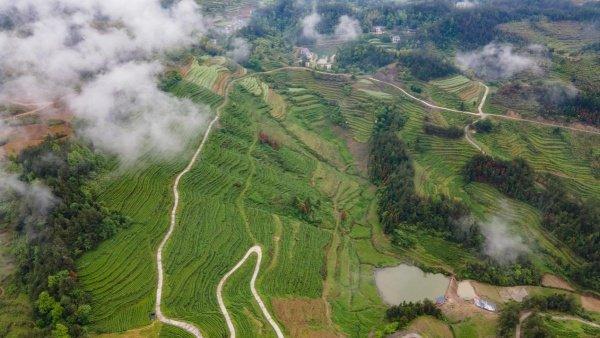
(409, 283)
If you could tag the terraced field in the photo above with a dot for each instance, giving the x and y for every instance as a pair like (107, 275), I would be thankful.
(120, 274)
(299, 193)
(240, 193)
(463, 88)
(562, 153)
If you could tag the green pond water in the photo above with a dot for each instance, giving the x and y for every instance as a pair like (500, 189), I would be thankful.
(409, 283)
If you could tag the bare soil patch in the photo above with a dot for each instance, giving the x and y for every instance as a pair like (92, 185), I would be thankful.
(552, 281)
(459, 309)
(590, 303)
(304, 317)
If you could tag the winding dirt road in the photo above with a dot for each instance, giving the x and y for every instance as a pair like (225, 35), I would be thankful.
(253, 250)
(181, 324)
(431, 105)
(189, 327)
(481, 115)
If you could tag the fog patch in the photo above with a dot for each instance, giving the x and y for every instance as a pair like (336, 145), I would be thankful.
(240, 50)
(554, 93)
(347, 29)
(309, 26)
(500, 244)
(500, 61)
(34, 199)
(95, 57)
(466, 4)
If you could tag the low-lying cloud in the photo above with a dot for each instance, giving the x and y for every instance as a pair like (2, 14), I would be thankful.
(240, 50)
(96, 58)
(35, 199)
(309, 26)
(500, 244)
(125, 113)
(348, 28)
(466, 4)
(500, 61)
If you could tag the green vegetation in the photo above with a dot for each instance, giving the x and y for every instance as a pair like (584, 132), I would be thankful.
(391, 168)
(511, 313)
(58, 221)
(575, 222)
(406, 312)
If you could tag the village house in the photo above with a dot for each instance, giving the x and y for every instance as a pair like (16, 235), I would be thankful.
(378, 30)
(395, 38)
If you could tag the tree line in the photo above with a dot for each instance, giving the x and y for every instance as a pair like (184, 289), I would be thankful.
(74, 222)
(405, 312)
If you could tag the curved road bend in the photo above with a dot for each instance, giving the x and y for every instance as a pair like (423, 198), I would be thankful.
(258, 251)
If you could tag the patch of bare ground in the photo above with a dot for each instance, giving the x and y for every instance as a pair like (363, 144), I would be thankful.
(23, 137)
(458, 309)
(552, 281)
(31, 127)
(304, 317)
(590, 303)
(359, 151)
(513, 113)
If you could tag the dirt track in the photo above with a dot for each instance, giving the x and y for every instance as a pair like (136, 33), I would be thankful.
(191, 328)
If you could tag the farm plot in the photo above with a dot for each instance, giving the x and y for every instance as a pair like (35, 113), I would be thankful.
(212, 76)
(463, 88)
(357, 107)
(119, 274)
(241, 192)
(565, 154)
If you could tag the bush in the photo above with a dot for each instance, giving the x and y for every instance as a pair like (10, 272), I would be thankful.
(484, 126)
(425, 65)
(447, 132)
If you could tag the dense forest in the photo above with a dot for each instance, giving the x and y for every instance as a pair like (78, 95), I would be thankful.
(574, 221)
(72, 222)
(363, 56)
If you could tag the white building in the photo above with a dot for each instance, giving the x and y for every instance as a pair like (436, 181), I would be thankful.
(378, 30)
(395, 38)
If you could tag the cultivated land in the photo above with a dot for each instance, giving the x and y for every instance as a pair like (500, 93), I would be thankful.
(277, 171)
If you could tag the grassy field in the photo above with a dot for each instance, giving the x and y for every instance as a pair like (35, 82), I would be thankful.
(477, 326)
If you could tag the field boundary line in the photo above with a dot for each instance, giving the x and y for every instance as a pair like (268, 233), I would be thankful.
(258, 251)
